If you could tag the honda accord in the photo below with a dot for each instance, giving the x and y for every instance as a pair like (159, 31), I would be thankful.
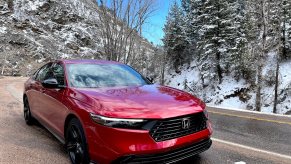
(106, 112)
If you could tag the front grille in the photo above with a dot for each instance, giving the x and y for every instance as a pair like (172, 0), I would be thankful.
(173, 128)
(168, 157)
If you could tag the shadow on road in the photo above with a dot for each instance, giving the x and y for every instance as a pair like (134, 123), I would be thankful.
(41, 129)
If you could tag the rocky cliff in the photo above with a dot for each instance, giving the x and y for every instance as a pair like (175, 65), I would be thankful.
(35, 31)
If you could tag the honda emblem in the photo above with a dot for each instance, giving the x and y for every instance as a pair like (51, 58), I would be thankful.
(186, 123)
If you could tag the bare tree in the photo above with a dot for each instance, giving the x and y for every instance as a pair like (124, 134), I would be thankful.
(269, 21)
(263, 15)
(260, 10)
(121, 26)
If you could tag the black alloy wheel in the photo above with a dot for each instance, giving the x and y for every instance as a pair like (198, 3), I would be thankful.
(26, 111)
(76, 144)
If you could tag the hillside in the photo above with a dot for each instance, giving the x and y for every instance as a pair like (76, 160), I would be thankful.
(34, 32)
(236, 94)
(232, 53)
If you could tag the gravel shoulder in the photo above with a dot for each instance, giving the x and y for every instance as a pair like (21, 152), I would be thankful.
(20, 143)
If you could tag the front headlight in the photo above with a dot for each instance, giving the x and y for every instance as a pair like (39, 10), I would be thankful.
(139, 124)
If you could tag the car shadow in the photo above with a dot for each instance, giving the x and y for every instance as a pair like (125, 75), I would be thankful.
(41, 129)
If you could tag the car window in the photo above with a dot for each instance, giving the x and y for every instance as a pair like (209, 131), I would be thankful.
(103, 75)
(34, 76)
(58, 73)
(44, 72)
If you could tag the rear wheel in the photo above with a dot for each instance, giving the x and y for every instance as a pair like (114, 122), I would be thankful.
(26, 112)
(76, 144)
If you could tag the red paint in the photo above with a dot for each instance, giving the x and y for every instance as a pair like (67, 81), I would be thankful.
(52, 106)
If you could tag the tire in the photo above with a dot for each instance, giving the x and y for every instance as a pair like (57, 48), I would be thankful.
(26, 112)
(76, 144)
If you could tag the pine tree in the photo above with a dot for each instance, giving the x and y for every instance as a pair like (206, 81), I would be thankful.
(174, 39)
(192, 24)
(186, 5)
(241, 57)
(214, 33)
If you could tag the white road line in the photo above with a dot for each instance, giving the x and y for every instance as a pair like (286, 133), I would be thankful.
(252, 149)
(248, 111)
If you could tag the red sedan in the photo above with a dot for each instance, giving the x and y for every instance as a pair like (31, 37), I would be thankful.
(106, 112)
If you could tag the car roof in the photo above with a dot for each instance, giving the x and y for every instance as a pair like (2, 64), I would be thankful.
(86, 61)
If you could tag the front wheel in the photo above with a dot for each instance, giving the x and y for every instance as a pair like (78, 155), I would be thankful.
(26, 112)
(76, 144)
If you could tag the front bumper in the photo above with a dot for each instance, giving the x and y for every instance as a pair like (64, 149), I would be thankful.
(168, 157)
(107, 145)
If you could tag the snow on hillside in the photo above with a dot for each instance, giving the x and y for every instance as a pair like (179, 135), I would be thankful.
(286, 86)
(224, 94)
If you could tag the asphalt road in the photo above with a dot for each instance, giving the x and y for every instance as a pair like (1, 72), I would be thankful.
(238, 136)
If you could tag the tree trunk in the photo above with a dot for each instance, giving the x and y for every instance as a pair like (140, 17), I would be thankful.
(284, 51)
(163, 68)
(259, 86)
(3, 67)
(218, 54)
(218, 67)
(260, 57)
(276, 83)
(281, 52)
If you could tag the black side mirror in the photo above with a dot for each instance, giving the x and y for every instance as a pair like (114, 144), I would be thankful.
(150, 79)
(50, 83)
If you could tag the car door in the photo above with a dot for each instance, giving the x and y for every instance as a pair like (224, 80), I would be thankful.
(36, 90)
(54, 111)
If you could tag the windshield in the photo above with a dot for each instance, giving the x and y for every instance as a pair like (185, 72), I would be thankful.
(103, 75)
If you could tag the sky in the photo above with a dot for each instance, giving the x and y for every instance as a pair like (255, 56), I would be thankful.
(153, 29)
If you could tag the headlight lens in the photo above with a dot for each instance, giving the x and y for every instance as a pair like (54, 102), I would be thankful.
(140, 124)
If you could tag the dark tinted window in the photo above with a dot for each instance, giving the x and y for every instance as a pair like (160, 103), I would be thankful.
(58, 73)
(44, 72)
(103, 75)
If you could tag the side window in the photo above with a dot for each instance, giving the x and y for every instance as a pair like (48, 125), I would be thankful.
(44, 73)
(58, 73)
(35, 74)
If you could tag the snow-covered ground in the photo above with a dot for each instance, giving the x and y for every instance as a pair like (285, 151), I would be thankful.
(3, 29)
(285, 78)
(220, 95)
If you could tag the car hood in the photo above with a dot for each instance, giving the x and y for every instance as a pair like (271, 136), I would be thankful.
(147, 101)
